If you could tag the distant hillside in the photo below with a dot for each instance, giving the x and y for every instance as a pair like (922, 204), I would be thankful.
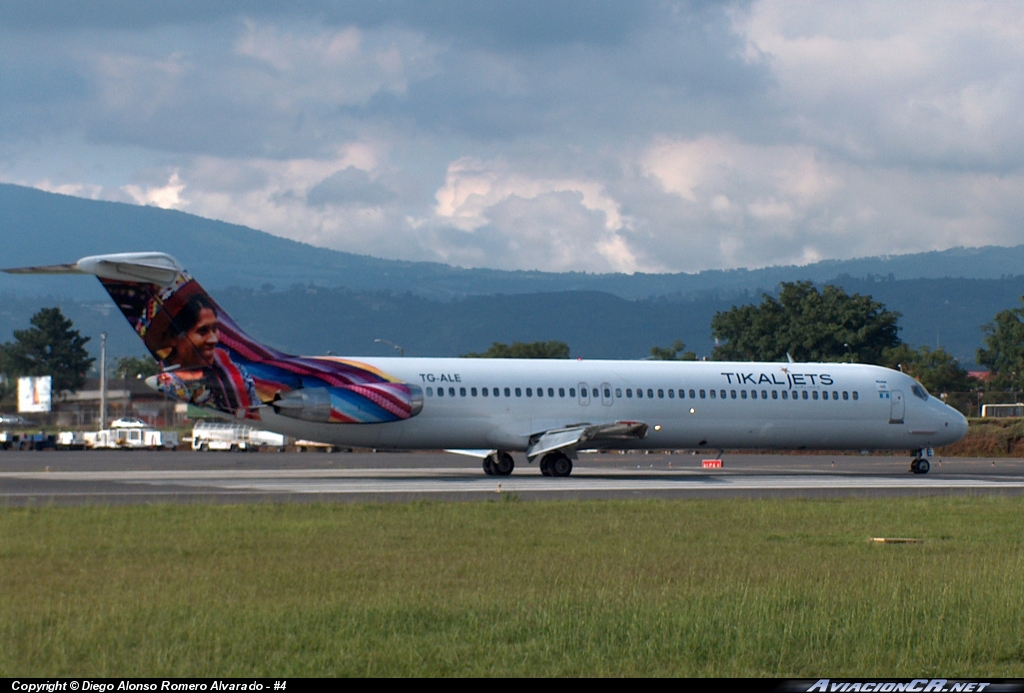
(595, 324)
(44, 228)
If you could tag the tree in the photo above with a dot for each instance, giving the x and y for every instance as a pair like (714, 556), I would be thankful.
(50, 347)
(937, 370)
(808, 325)
(1003, 352)
(672, 353)
(132, 366)
(523, 350)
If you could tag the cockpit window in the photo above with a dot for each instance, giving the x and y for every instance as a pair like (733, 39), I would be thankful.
(919, 391)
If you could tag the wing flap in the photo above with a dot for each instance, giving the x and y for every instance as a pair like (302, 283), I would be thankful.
(572, 436)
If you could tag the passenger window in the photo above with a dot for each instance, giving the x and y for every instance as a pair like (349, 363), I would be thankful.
(722, 394)
(764, 394)
(485, 392)
(639, 393)
(701, 394)
(743, 394)
(650, 393)
(814, 394)
(561, 392)
(472, 391)
(618, 393)
(855, 395)
(753, 394)
(846, 395)
(775, 394)
(508, 392)
(785, 394)
(805, 394)
(519, 392)
(497, 392)
(596, 393)
(733, 393)
(462, 392)
(551, 392)
(451, 392)
(629, 392)
(672, 394)
(661, 394)
(713, 393)
(572, 392)
(607, 393)
(430, 392)
(440, 392)
(835, 395)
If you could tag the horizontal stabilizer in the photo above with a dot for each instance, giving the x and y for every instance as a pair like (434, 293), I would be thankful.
(572, 436)
(154, 268)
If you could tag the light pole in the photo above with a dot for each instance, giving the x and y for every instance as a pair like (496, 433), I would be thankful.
(103, 380)
(400, 350)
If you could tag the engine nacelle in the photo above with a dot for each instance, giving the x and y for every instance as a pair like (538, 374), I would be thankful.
(339, 404)
(308, 404)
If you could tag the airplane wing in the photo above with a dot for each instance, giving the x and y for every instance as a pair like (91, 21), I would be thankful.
(577, 434)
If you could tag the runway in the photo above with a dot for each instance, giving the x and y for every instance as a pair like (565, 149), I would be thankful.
(116, 477)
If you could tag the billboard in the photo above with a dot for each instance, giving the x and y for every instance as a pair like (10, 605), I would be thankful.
(34, 394)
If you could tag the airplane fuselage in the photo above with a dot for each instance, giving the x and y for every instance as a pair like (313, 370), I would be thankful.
(504, 403)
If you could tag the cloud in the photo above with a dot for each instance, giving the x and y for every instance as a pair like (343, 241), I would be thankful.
(349, 186)
(164, 196)
(925, 83)
(579, 135)
(471, 187)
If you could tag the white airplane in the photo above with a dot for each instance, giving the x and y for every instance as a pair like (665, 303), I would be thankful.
(490, 408)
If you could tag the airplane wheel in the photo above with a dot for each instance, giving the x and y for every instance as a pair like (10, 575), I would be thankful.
(489, 465)
(545, 465)
(923, 467)
(504, 464)
(561, 465)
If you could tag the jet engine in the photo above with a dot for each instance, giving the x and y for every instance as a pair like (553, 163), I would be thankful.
(333, 404)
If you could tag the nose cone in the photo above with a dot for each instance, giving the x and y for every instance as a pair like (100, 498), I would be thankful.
(962, 425)
(956, 424)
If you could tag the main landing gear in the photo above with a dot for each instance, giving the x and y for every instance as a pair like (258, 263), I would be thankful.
(499, 464)
(919, 465)
(555, 464)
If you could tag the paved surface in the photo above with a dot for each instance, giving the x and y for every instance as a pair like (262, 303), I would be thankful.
(50, 477)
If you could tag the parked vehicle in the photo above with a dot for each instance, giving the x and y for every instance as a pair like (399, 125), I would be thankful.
(71, 440)
(233, 437)
(131, 439)
(314, 446)
(27, 441)
(128, 422)
(13, 420)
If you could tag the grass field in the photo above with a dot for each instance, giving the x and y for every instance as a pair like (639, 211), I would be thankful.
(694, 588)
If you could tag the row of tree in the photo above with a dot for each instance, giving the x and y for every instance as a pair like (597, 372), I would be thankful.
(806, 324)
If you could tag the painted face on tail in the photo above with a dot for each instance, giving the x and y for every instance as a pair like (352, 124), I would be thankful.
(196, 347)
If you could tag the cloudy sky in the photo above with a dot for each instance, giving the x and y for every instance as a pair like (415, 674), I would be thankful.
(589, 135)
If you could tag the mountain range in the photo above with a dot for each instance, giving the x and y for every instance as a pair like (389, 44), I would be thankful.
(282, 289)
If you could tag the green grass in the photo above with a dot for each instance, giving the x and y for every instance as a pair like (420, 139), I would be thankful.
(695, 588)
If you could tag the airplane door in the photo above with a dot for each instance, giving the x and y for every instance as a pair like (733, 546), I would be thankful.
(584, 394)
(606, 394)
(896, 407)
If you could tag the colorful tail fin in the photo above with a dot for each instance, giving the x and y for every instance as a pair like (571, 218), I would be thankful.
(209, 361)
